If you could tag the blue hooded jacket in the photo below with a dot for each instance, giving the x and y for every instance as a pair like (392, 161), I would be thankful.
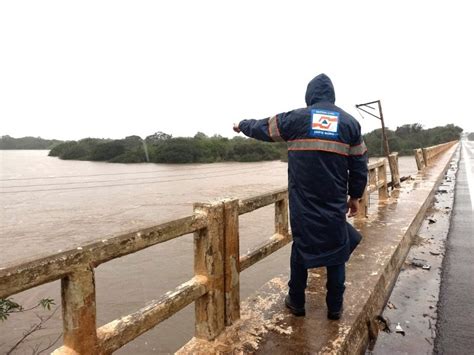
(327, 160)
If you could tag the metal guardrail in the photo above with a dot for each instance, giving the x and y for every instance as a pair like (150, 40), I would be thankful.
(215, 287)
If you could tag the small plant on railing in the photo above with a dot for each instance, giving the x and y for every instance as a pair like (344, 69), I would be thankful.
(8, 307)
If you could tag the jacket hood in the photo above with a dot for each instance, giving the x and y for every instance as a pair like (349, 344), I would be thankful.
(320, 89)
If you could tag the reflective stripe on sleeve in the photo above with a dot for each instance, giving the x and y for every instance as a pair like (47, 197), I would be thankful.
(359, 149)
(273, 130)
(319, 144)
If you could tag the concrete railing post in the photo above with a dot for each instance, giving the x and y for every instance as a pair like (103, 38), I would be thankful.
(364, 201)
(420, 163)
(382, 176)
(281, 217)
(79, 312)
(393, 161)
(209, 262)
(372, 179)
(363, 204)
(231, 261)
(426, 157)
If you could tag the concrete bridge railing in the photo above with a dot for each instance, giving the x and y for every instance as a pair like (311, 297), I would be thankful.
(377, 182)
(215, 287)
(425, 156)
(76, 267)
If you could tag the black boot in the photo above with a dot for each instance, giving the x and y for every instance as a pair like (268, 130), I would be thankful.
(335, 315)
(295, 310)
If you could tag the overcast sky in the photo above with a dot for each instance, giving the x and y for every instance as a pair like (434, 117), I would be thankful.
(70, 70)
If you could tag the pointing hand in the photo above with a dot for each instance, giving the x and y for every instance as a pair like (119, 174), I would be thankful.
(236, 128)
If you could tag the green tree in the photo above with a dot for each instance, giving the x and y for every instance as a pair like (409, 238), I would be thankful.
(107, 151)
(158, 137)
(410, 136)
(8, 307)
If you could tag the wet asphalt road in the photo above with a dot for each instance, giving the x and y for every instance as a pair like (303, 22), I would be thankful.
(414, 299)
(455, 333)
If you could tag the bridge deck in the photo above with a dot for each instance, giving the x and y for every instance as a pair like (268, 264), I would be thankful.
(266, 326)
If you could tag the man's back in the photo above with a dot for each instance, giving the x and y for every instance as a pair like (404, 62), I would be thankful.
(327, 160)
(319, 165)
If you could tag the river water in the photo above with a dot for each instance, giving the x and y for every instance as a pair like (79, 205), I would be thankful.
(49, 205)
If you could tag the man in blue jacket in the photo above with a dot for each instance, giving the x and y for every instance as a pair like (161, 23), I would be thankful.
(327, 161)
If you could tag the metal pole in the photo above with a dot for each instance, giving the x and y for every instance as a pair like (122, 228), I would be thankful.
(386, 149)
(384, 135)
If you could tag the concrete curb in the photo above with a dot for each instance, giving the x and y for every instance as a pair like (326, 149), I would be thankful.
(364, 327)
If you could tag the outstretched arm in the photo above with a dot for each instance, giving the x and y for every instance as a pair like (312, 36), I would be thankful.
(266, 129)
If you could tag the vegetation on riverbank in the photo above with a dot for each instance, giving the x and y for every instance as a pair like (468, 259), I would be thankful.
(410, 136)
(7, 142)
(163, 148)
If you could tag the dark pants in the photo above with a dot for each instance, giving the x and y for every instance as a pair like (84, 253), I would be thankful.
(336, 276)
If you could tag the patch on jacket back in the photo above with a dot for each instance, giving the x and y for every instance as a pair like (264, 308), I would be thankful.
(324, 124)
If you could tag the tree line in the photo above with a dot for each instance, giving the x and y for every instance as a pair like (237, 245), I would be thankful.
(163, 148)
(410, 136)
(7, 142)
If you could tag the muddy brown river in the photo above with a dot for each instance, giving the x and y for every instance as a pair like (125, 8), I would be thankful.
(49, 205)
